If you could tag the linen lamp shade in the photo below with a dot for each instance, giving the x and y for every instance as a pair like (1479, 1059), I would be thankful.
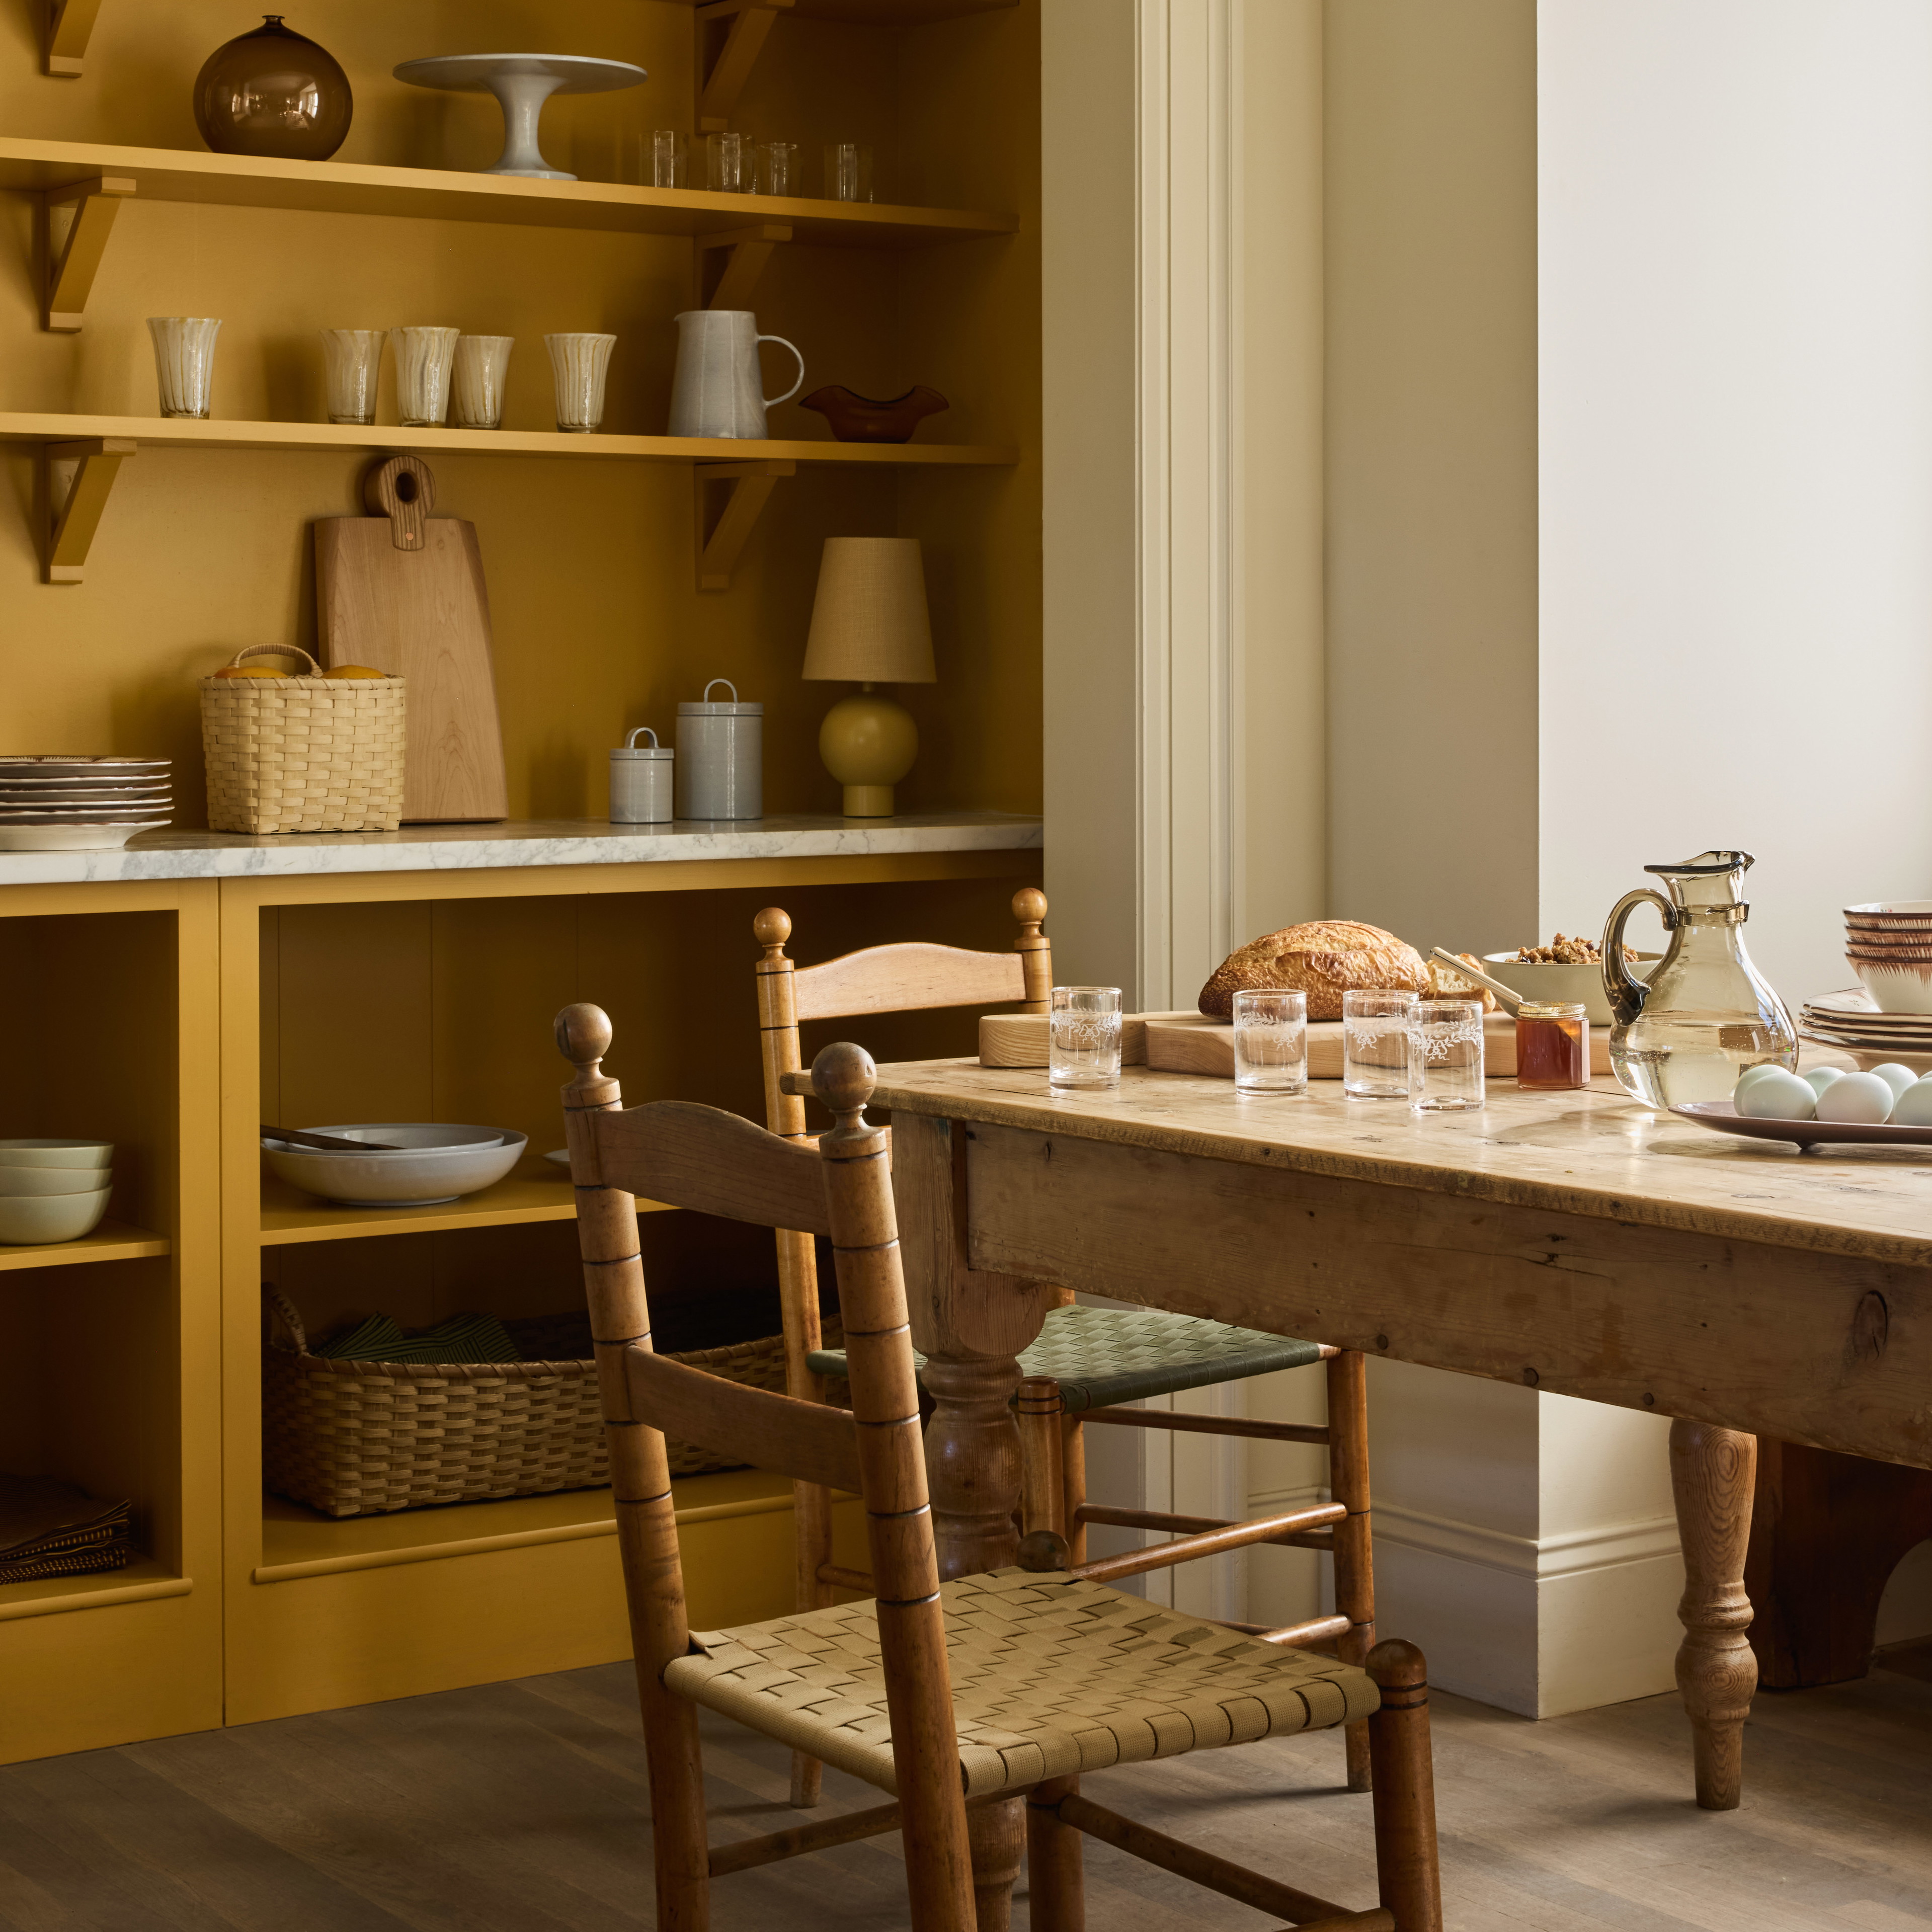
(869, 622)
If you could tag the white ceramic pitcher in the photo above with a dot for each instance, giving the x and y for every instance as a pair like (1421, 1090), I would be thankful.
(718, 389)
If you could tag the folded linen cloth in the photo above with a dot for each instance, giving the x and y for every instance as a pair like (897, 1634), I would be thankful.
(50, 1528)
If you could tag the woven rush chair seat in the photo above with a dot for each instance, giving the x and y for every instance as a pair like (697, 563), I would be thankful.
(1052, 1675)
(1102, 1356)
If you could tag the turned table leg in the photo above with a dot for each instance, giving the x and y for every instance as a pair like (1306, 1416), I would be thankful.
(1712, 1472)
(973, 1461)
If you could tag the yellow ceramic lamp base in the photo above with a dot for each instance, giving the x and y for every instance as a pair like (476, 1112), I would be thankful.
(868, 743)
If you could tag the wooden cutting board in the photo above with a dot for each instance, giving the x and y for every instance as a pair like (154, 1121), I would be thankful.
(1192, 1043)
(403, 592)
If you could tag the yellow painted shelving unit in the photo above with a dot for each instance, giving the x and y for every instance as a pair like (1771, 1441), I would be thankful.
(176, 1015)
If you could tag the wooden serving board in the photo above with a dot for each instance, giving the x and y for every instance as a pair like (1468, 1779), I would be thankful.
(1019, 1039)
(403, 592)
(1192, 1043)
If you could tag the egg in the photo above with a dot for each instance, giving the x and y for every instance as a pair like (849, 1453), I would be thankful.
(1913, 1108)
(1780, 1096)
(1860, 1099)
(1820, 1078)
(1896, 1077)
(1751, 1076)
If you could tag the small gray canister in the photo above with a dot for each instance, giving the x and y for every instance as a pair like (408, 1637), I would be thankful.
(721, 757)
(640, 786)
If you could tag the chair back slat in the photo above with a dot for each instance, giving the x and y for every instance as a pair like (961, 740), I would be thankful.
(906, 978)
(687, 1155)
(807, 1441)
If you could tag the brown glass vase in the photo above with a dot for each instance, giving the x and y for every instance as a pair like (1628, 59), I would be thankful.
(273, 92)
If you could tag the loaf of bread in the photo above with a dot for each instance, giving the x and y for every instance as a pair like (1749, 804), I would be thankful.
(1446, 983)
(1325, 959)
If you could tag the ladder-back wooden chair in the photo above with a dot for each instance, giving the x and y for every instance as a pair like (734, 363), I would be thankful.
(990, 1689)
(1102, 1359)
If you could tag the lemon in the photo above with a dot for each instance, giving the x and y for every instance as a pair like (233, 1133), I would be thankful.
(354, 670)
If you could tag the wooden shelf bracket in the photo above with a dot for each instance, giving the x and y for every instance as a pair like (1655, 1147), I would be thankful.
(66, 28)
(729, 284)
(73, 263)
(736, 29)
(721, 539)
(68, 521)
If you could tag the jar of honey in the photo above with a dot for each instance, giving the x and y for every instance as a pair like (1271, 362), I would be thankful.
(1552, 1045)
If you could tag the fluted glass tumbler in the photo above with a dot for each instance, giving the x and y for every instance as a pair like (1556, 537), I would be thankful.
(1445, 1056)
(424, 357)
(579, 363)
(185, 362)
(1270, 1042)
(1374, 1046)
(1083, 1037)
(669, 153)
(352, 360)
(476, 380)
(848, 171)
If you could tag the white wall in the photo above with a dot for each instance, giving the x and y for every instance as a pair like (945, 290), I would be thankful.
(1735, 335)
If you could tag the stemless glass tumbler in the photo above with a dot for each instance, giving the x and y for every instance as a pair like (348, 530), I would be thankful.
(476, 392)
(1083, 1037)
(670, 152)
(579, 363)
(1375, 1047)
(1445, 1056)
(848, 171)
(1270, 1042)
(351, 360)
(184, 362)
(423, 359)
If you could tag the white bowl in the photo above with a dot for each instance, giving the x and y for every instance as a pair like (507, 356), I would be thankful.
(1896, 989)
(414, 1177)
(426, 1136)
(24, 1183)
(1546, 979)
(29, 1220)
(55, 1154)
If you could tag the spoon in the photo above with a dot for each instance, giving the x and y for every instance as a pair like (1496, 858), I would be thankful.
(1510, 999)
(334, 1143)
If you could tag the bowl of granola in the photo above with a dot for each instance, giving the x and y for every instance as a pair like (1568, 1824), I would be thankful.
(1567, 968)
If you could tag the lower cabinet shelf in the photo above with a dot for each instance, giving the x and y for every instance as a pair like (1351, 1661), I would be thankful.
(111, 1241)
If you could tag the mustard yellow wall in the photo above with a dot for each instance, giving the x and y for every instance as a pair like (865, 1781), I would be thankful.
(589, 563)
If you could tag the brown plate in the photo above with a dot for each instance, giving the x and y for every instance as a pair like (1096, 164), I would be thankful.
(1723, 1115)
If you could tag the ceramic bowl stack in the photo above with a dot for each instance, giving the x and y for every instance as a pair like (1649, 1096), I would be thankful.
(81, 804)
(1889, 944)
(52, 1190)
(409, 1164)
(1852, 1022)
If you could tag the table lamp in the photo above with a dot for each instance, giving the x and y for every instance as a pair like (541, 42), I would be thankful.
(869, 627)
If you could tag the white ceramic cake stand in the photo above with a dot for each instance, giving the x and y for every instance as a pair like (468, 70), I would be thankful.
(522, 82)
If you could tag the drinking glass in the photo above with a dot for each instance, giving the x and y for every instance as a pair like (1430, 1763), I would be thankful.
(777, 167)
(352, 359)
(184, 362)
(1270, 1042)
(423, 359)
(1375, 1045)
(1083, 1037)
(670, 151)
(1445, 1056)
(579, 362)
(730, 164)
(848, 171)
(476, 387)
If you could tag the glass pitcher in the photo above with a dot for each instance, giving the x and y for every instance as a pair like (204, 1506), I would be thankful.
(1706, 1012)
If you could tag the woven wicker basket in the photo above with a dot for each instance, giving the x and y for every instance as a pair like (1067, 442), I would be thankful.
(358, 1438)
(307, 754)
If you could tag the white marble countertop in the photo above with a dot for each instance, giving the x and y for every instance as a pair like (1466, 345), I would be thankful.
(574, 841)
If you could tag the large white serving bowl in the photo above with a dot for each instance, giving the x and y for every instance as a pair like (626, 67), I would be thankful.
(22, 1183)
(416, 1177)
(29, 1220)
(1537, 979)
(55, 1154)
(1896, 989)
(428, 1135)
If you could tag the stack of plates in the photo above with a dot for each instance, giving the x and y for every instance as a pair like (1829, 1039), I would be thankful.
(1851, 1020)
(80, 804)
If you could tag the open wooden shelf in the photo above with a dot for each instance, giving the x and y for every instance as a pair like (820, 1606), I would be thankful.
(352, 187)
(111, 1241)
(140, 1581)
(298, 1543)
(289, 1215)
(179, 433)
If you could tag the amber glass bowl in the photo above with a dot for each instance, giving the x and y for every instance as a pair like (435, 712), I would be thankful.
(273, 92)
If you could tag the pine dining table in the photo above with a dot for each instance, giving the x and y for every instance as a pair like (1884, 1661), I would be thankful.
(1575, 1242)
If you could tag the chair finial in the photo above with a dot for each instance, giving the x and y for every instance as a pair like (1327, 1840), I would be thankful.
(584, 1038)
(1030, 907)
(843, 1077)
(771, 929)
(1044, 1549)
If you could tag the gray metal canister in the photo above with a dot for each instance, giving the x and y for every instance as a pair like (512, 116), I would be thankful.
(640, 781)
(721, 757)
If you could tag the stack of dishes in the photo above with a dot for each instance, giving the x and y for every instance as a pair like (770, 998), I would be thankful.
(53, 1190)
(1889, 945)
(1852, 1022)
(81, 804)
